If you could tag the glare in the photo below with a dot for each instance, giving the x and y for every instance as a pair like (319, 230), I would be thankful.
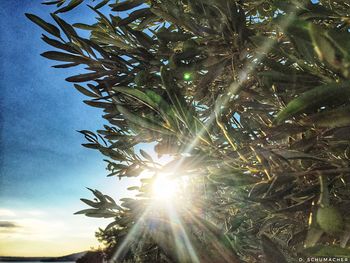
(164, 188)
(187, 76)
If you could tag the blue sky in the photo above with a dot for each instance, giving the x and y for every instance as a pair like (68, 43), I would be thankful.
(44, 169)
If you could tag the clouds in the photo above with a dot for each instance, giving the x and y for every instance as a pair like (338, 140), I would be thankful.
(28, 225)
(8, 224)
(7, 228)
(25, 232)
(6, 213)
(19, 223)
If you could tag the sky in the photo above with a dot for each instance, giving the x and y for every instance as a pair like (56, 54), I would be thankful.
(43, 167)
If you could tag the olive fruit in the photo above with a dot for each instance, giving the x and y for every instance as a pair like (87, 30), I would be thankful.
(329, 219)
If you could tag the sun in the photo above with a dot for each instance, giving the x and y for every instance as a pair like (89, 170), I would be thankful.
(164, 188)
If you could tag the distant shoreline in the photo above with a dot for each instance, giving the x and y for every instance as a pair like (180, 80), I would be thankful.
(24, 259)
(31, 260)
(34, 259)
(67, 258)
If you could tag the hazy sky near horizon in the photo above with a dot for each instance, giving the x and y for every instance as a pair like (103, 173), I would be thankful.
(43, 167)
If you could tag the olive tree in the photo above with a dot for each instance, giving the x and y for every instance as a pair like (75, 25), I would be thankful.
(250, 102)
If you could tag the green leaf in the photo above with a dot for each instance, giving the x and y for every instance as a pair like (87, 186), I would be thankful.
(84, 26)
(137, 14)
(142, 122)
(103, 19)
(87, 77)
(50, 28)
(174, 95)
(57, 44)
(329, 94)
(146, 155)
(67, 65)
(57, 2)
(126, 5)
(85, 211)
(85, 91)
(91, 203)
(111, 225)
(137, 94)
(133, 188)
(110, 40)
(101, 4)
(115, 155)
(91, 145)
(101, 213)
(322, 46)
(60, 56)
(72, 4)
(338, 117)
(163, 106)
(98, 194)
(66, 28)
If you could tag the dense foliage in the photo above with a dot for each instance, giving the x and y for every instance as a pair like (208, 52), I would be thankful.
(92, 257)
(251, 101)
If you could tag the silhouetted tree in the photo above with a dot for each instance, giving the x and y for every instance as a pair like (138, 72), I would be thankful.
(250, 99)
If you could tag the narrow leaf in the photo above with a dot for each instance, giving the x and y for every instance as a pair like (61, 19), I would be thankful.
(313, 99)
(85, 91)
(50, 28)
(126, 5)
(72, 4)
(60, 56)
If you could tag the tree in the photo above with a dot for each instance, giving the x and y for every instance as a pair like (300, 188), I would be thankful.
(251, 101)
(92, 257)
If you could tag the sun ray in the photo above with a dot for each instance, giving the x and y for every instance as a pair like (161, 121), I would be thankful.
(222, 101)
(226, 253)
(133, 233)
(219, 104)
(187, 246)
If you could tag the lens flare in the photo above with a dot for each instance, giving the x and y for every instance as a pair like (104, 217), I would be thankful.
(187, 76)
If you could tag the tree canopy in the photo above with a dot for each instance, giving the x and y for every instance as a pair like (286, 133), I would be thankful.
(251, 102)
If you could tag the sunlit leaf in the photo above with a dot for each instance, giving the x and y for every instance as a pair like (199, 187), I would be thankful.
(333, 94)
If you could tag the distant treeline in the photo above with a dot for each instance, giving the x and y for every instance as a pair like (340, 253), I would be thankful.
(67, 258)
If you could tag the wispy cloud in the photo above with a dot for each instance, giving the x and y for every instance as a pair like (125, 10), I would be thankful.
(8, 228)
(8, 224)
(6, 213)
(27, 231)
(35, 213)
